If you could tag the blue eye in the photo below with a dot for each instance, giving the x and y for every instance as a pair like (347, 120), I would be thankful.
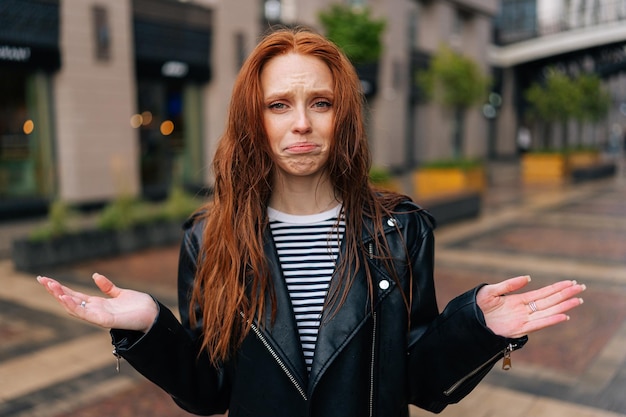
(278, 106)
(323, 103)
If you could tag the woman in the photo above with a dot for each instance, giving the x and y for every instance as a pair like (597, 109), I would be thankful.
(303, 291)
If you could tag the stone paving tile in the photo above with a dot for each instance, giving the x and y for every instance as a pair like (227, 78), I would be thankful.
(610, 203)
(57, 396)
(489, 400)
(60, 362)
(144, 399)
(573, 241)
(25, 330)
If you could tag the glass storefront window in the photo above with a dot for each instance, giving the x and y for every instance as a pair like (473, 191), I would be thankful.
(15, 172)
(168, 122)
(25, 153)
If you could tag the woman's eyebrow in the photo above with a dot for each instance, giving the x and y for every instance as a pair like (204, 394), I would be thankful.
(288, 93)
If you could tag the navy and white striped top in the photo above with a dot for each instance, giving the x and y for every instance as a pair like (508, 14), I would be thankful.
(307, 247)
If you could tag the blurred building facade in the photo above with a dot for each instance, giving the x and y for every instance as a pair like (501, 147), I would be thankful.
(99, 98)
(575, 36)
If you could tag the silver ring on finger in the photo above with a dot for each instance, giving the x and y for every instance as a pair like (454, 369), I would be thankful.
(533, 306)
(83, 303)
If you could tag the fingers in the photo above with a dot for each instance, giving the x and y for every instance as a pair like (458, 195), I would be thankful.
(73, 305)
(105, 285)
(539, 324)
(547, 308)
(56, 289)
(555, 297)
(72, 299)
(508, 286)
(559, 298)
(553, 293)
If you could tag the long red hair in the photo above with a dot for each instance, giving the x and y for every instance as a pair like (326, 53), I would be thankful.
(233, 282)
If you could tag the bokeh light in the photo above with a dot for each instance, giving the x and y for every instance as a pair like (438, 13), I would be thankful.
(136, 120)
(167, 127)
(28, 127)
(147, 118)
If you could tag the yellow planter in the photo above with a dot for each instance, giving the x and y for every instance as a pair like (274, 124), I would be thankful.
(435, 182)
(540, 168)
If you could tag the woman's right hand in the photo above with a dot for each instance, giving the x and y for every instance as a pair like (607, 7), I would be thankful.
(121, 309)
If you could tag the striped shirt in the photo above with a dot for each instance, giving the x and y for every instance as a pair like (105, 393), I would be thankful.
(307, 247)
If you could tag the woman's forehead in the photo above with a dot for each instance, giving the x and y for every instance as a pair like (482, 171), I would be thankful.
(289, 71)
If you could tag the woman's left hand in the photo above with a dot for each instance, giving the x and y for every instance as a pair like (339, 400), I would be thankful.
(516, 315)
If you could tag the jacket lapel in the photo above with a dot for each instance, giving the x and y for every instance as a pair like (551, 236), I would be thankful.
(337, 327)
(336, 331)
(282, 334)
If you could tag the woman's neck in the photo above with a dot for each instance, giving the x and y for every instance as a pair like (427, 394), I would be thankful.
(303, 195)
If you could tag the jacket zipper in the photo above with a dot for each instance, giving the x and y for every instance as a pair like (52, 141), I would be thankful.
(370, 250)
(118, 357)
(372, 366)
(506, 365)
(279, 361)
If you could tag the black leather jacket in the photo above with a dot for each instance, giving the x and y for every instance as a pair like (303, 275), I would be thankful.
(366, 363)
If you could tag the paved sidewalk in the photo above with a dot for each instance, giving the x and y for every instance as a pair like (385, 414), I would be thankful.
(54, 366)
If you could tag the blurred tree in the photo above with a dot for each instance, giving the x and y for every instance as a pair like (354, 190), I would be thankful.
(553, 101)
(354, 31)
(456, 82)
(594, 104)
(561, 98)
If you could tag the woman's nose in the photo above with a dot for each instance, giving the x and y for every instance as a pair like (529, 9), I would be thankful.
(302, 122)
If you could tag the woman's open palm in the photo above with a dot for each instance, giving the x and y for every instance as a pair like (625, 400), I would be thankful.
(120, 309)
(514, 315)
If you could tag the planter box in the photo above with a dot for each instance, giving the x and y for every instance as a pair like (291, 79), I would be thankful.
(544, 168)
(454, 208)
(438, 182)
(33, 256)
(594, 172)
(559, 168)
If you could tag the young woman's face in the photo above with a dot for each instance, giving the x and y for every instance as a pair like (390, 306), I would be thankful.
(298, 113)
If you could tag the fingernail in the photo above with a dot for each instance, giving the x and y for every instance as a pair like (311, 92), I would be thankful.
(38, 278)
(574, 282)
(584, 287)
(581, 300)
(567, 317)
(529, 279)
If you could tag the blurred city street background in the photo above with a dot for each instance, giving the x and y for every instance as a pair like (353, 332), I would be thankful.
(110, 112)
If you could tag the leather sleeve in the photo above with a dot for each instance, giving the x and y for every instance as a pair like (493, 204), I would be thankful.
(451, 352)
(169, 353)
(187, 265)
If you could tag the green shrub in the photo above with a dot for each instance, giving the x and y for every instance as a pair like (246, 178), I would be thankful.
(179, 204)
(58, 222)
(379, 175)
(120, 214)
